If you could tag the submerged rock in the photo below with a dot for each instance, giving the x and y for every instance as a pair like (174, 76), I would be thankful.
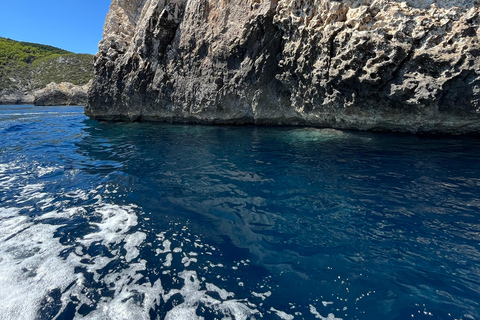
(63, 94)
(409, 65)
(315, 134)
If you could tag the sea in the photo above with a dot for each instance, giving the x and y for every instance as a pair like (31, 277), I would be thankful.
(109, 220)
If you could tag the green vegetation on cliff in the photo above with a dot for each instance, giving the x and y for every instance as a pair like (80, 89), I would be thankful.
(73, 68)
(24, 53)
(28, 66)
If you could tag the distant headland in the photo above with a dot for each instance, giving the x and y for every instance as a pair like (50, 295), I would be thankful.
(38, 74)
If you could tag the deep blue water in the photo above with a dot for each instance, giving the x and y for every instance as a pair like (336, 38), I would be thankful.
(158, 221)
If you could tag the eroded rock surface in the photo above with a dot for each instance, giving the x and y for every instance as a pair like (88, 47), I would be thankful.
(61, 94)
(409, 65)
(16, 97)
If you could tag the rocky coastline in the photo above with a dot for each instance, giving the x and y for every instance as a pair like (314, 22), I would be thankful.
(33, 73)
(54, 94)
(64, 93)
(408, 66)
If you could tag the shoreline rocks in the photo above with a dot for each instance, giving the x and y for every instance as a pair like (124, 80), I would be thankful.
(63, 93)
(16, 98)
(54, 94)
(409, 66)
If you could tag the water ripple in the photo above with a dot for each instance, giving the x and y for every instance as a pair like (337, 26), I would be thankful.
(106, 220)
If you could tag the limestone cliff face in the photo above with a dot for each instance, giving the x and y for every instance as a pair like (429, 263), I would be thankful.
(411, 65)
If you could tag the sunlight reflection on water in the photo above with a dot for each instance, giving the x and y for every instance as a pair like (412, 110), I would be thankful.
(146, 221)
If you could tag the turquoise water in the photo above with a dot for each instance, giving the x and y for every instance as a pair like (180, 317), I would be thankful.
(158, 221)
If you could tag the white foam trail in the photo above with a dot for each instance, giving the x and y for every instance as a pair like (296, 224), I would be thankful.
(166, 246)
(32, 260)
(116, 222)
(186, 261)
(132, 243)
(34, 263)
(131, 299)
(282, 315)
(168, 261)
(262, 296)
(317, 314)
(8, 212)
(30, 267)
(224, 294)
(194, 297)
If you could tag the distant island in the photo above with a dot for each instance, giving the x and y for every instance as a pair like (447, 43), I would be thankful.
(39, 74)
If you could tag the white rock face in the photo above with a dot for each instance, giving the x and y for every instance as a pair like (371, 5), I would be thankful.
(409, 65)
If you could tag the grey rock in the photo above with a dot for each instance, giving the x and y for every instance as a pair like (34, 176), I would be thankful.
(411, 66)
(63, 94)
(9, 97)
(53, 94)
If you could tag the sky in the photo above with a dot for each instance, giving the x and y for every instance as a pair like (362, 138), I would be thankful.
(73, 25)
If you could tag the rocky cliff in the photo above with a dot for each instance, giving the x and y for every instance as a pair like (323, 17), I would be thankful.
(411, 65)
